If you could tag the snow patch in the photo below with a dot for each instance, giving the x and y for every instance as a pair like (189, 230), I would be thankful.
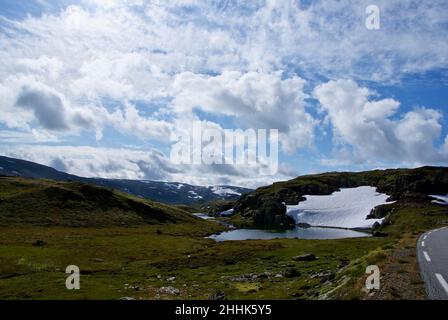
(195, 195)
(440, 199)
(222, 191)
(347, 208)
(226, 213)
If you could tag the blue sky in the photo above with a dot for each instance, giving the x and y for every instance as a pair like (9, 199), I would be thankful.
(99, 87)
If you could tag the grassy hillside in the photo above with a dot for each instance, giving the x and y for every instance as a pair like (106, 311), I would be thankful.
(52, 203)
(159, 191)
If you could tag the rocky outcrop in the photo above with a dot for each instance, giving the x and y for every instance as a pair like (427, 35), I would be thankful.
(215, 207)
(305, 257)
(266, 206)
(291, 273)
(271, 214)
(380, 211)
(380, 234)
(169, 290)
(218, 295)
(39, 243)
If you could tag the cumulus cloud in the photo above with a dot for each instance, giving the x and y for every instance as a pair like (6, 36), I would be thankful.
(255, 100)
(52, 111)
(47, 108)
(370, 126)
(108, 63)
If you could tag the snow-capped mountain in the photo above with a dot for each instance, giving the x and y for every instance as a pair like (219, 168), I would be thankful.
(167, 192)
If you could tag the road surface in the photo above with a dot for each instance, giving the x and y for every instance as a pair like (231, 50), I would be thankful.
(432, 249)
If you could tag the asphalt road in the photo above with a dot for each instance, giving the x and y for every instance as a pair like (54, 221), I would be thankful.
(432, 249)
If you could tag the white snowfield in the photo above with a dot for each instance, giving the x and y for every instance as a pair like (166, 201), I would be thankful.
(226, 213)
(347, 208)
(222, 191)
(440, 199)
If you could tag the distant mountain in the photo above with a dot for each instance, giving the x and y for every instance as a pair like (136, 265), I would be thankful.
(166, 192)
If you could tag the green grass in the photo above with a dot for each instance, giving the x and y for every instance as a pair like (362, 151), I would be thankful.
(137, 259)
(110, 258)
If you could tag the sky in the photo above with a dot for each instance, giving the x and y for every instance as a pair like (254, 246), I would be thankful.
(100, 87)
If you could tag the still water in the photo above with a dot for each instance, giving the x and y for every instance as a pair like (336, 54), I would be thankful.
(301, 233)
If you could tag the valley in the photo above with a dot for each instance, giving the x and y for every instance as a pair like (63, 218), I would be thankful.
(131, 248)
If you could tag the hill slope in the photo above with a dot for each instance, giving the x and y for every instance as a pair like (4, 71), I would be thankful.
(166, 192)
(76, 204)
(266, 206)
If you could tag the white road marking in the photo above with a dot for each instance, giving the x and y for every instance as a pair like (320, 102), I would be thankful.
(423, 243)
(426, 256)
(424, 238)
(442, 282)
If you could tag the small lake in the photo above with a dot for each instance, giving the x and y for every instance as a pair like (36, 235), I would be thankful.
(300, 233)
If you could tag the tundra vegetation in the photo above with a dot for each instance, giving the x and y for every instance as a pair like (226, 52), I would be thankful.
(129, 247)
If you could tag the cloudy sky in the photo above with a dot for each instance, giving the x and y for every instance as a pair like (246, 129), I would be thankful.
(97, 87)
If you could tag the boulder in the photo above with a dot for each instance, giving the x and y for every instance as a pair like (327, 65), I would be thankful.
(218, 295)
(305, 257)
(291, 273)
(380, 212)
(376, 225)
(169, 290)
(39, 243)
(326, 276)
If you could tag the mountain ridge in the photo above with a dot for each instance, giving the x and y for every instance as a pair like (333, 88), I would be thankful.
(41, 202)
(166, 192)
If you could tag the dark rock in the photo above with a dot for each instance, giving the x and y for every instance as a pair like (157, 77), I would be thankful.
(304, 225)
(293, 199)
(326, 276)
(271, 214)
(376, 225)
(291, 273)
(169, 290)
(380, 234)
(296, 294)
(387, 220)
(39, 243)
(217, 206)
(344, 263)
(218, 295)
(380, 212)
(229, 261)
(305, 257)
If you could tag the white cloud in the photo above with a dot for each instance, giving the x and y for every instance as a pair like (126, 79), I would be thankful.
(370, 128)
(255, 100)
(92, 63)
